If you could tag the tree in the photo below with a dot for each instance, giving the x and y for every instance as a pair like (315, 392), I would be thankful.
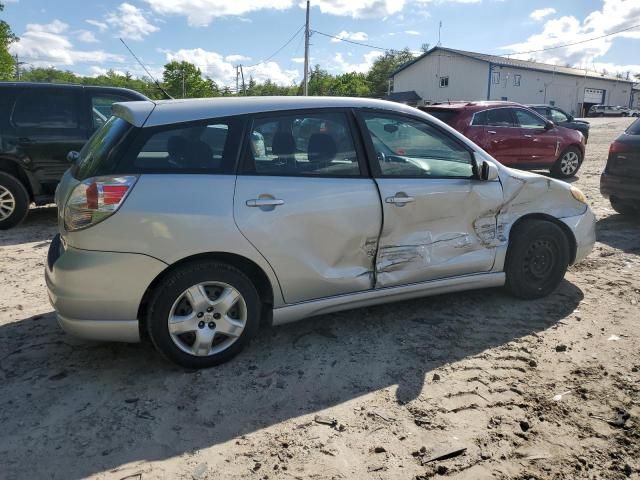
(7, 62)
(184, 80)
(378, 75)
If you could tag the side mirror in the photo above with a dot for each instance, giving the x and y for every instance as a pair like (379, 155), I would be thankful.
(549, 125)
(73, 156)
(488, 171)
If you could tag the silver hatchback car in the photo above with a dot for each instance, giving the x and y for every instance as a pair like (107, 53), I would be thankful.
(192, 222)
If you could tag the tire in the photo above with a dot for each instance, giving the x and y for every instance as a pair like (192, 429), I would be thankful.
(537, 259)
(568, 163)
(14, 201)
(171, 298)
(625, 208)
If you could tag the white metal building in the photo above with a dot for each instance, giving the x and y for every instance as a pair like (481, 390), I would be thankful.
(443, 74)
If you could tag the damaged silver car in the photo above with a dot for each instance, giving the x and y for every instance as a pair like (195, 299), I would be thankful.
(193, 222)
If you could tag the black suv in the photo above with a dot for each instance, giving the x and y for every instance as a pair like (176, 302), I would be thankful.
(562, 118)
(40, 123)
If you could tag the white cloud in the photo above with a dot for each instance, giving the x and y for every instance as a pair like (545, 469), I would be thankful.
(102, 27)
(362, 67)
(355, 36)
(200, 12)
(359, 8)
(96, 71)
(541, 13)
(130, 22)
(614, 15)
(236, 58)
(48, 44)
(297, 59)
(223, 71)
(86, 36)
(412, 32)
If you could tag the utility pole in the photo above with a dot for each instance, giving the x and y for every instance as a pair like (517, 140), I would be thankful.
(237, 78)
(183, 89)
(18, 63)
(244, 90)
(305, 88)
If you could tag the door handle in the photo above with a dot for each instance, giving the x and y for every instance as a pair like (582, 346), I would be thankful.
(492, 132)
(24, 141)
(399, 199)
(528, 136)
(264, 202)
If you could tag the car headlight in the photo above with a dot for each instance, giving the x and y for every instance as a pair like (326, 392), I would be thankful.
(578, 195)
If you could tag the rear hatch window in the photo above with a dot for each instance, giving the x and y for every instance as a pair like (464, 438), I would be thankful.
(447, 116)
(99, 156)
(634, 128)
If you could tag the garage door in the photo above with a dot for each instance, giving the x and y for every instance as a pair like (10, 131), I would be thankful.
(593, 95)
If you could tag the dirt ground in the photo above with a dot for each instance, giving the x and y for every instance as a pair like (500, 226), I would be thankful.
(527, 388)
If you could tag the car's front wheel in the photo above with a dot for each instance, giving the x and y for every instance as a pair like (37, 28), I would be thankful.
(14, 201)
(568, 163)
(537, 259)
(203, 314)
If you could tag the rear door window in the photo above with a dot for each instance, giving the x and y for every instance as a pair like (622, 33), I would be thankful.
(44, 108)
(101, 107)
(500, 117)
(304, 144)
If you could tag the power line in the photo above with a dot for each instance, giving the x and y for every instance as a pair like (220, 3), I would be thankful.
(571, 44)
(279, 49)
(351, 41)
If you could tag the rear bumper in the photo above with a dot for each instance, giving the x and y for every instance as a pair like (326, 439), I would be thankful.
(97, 295)
(584, 230)
(623, 188)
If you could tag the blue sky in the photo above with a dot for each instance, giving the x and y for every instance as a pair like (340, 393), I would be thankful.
(82, 36)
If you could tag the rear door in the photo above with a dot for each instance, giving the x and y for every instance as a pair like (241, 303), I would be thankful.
(539, 144)
(500, 137)
(304, 199)
(439, 219)
(48, 124)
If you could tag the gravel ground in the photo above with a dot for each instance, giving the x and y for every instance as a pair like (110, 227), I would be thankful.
(530, 390)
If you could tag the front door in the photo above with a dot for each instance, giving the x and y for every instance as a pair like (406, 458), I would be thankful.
(539, 144)
(304, 199)
(439, 219)
(48, 125)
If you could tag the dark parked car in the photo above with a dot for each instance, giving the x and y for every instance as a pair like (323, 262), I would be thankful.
(620, 181)
(515, 135)
(562, 118)
(40, 124)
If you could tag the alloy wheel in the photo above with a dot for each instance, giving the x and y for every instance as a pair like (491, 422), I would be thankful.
(7, 203)
(207, 318)
(569, 163)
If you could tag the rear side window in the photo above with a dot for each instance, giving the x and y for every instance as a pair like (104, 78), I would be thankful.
(101, 107)
(46, 109)
(98, 156)
(444, 115)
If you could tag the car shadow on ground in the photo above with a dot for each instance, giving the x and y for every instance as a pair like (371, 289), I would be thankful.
(619, 231)
(40, 225)
(82, 408)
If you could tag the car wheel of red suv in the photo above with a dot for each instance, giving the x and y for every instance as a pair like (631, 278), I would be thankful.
(568, 163)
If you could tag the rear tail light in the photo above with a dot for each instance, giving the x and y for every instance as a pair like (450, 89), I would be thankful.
(96, 199)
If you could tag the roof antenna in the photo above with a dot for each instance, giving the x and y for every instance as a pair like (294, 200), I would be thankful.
(148, 73)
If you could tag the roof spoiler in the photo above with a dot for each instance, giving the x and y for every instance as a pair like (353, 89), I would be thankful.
(136, 113)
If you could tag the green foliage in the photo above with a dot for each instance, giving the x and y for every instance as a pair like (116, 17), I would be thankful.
(184, 80)
(322, 83)
(7, 62)
(378, 75)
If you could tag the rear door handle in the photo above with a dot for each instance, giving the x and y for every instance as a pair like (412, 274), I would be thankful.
(264, 202)
(399, 200)
(492, 132)
(528, 136)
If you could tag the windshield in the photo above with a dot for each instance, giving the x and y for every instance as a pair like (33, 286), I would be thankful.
(95, 157)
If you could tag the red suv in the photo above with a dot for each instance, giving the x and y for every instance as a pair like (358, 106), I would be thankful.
(515, 135)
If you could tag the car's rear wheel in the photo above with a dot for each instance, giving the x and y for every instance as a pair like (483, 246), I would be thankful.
(537, 259)
(203, 314)
(625, 208)
(568, 163)
(14, 201)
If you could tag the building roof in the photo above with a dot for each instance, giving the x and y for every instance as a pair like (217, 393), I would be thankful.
(163, 112)
(512, 62)
(403, 97)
